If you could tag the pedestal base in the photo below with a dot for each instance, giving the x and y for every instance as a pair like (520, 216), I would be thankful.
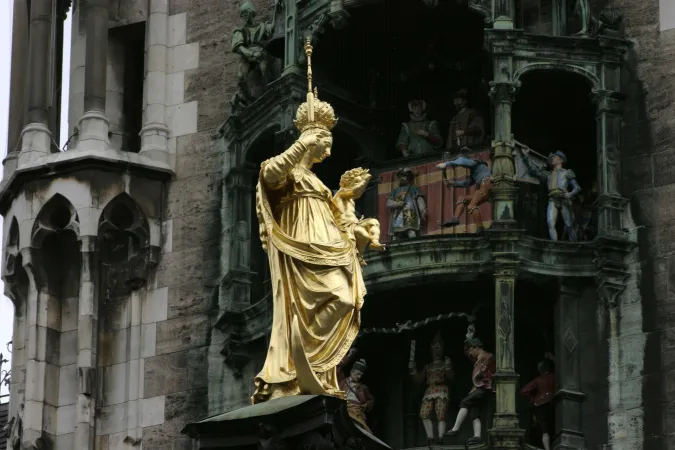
(302, 421)
(154, 139)
(94, 127)
(36, 142)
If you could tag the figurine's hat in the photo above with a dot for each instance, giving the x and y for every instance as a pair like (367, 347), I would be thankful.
(360, 365)
(313, 113)
(462, 93)
(406, 171)
(247, 5)
(560, 154)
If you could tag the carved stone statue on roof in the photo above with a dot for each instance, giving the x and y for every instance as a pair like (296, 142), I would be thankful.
(256, 65)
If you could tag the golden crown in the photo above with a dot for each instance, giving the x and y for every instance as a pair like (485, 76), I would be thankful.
(313, 113)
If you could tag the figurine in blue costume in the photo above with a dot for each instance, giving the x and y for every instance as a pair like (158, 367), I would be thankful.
(559, 181)
(407, 207)
(479, 175)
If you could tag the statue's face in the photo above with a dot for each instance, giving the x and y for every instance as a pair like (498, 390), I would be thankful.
(356, 375)
(437, 351)
(360, 184)
(247, 15)
(459, 102)
(417, 108)
(321, 151)
(557, 160)
(403, 180)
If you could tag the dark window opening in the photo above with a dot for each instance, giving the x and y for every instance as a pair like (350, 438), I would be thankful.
(554, 111)
(127, 55)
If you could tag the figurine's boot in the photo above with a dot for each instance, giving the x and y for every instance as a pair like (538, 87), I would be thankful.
(461, 415)
(451, 223)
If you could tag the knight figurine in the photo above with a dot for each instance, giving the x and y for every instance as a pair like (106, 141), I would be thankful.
(559, 180)
(473, 405)
(419, 135)
(437, 395)
(407, 207)
(253, 72)
(359, 398)
(466, 127)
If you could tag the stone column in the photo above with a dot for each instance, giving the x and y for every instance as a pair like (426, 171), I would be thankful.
(504, 13)
(87, 340)
(35, 352)
(154, 134)
(505, 431)
(568, 396)
(17, 88)
(94, 124)
(37, 139)
(611, 204)
(502, 93)
(559, 17)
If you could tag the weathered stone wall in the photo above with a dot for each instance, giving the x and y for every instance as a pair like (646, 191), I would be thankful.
(649, 181)
(188, 368)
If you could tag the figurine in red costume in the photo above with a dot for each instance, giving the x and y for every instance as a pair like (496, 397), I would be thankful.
(473, 404)
(541, 391)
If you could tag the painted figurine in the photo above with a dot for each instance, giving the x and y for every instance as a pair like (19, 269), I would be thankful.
(363, 232)
(559, 180)
(420, 135)
(254, 64)
(466, 127)
(349, 357)
(407, 207)
(479, 175)
(359, 398)
(437, 395)
(474, 403)
(540, 392)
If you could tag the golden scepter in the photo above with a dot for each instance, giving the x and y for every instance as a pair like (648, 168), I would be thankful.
(310, 94)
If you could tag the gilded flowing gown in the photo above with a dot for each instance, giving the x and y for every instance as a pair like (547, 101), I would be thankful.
(315, 275)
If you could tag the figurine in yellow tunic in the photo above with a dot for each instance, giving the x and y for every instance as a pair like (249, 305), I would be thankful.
(317, 284)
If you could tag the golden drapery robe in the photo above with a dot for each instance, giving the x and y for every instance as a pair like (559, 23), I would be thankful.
(315, 275)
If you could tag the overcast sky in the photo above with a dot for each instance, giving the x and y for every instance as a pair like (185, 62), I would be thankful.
(6, 307)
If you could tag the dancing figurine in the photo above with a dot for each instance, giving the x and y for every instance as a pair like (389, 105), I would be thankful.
(540, 391)
(437, 395)
(474, 403)
(479, 175)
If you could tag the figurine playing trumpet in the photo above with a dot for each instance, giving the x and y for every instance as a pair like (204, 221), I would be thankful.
(311, 242)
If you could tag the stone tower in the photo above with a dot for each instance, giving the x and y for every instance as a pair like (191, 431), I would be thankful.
(131, 254)
(86, 225)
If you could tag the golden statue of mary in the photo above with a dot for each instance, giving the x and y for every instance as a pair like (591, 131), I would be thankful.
(318, 288)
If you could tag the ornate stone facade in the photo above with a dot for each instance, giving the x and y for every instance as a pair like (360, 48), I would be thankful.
(141, 294)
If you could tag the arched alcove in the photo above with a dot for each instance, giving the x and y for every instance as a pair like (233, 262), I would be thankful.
(124, 246)
(395, 418)
(14, 274)
(554, 111)
(394, 51)
(56, 269)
